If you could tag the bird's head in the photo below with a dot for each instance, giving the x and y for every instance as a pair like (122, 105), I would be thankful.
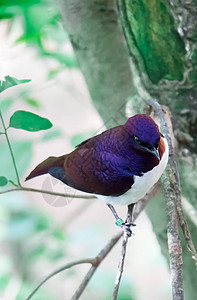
(144, 134)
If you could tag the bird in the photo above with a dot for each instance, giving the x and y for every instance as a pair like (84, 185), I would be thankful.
(119, 165)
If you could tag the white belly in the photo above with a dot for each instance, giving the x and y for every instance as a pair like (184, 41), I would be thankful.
(142, 184)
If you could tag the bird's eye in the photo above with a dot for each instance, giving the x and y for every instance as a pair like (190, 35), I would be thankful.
(137, 140)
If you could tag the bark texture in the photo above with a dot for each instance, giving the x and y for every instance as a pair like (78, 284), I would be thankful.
(162, 45)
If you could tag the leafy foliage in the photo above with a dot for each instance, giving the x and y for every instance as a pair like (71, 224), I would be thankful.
(22, 228)
(28, 121)
(11, 81)
(3, 181)
(40, 24)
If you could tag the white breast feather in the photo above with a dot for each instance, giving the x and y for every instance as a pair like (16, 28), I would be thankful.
(142, 184)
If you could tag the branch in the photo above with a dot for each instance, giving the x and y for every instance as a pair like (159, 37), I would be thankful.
(22, 188)
(138, 209)
(123, 254)
(94, 261)
(172, 191)
(174, 243)
(167, 125)
(58, 270)
(98, 259)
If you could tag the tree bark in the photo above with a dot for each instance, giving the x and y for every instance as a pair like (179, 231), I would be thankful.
(101, 53)
(162, 52)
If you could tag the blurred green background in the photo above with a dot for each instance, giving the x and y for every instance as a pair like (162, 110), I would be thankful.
(38, 233)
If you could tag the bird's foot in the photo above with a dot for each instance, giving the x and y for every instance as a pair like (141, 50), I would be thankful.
(119, 222)
(125, 226)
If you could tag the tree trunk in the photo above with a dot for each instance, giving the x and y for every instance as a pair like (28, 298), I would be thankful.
(102, 55)
(156, 62)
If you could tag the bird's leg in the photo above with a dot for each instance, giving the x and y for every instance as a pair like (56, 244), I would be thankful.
(130, 215)
(119, 222)
(114, 212)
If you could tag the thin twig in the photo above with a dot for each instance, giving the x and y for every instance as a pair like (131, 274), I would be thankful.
(99, 258)
(10, 148)
(120, 266)
(123, 254)
(138, 209)
(22, 188)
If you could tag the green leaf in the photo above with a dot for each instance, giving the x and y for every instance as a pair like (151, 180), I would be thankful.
(13, 183)
(28, 121)
(11, 81)
(35, 18)
(32, 102)
(3, 181)
(53, 73)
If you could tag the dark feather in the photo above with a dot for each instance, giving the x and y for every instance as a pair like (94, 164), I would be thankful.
(44, 166)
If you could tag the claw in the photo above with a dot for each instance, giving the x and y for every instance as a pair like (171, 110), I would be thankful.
(126, 228)
(129, 224)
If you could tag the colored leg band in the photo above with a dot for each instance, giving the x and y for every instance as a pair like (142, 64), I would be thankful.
(119, 222)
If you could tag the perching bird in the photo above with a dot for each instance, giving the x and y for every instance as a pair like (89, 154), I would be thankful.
(119, 165)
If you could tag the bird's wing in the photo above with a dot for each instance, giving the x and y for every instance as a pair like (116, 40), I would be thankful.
(97, 172)
(46, 165)
(95, 166)
(84, 142)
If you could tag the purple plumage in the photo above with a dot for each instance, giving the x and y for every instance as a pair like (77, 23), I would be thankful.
(108, 163)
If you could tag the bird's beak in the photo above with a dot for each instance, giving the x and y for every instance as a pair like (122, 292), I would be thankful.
(155, 153)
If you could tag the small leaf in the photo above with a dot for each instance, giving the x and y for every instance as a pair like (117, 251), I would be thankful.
(12, 182)
(28, 121)
(3, 181)
(32, 102)
(11, 81)
(53, 73)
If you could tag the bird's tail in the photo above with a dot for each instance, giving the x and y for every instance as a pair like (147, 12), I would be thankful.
(44, 166)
